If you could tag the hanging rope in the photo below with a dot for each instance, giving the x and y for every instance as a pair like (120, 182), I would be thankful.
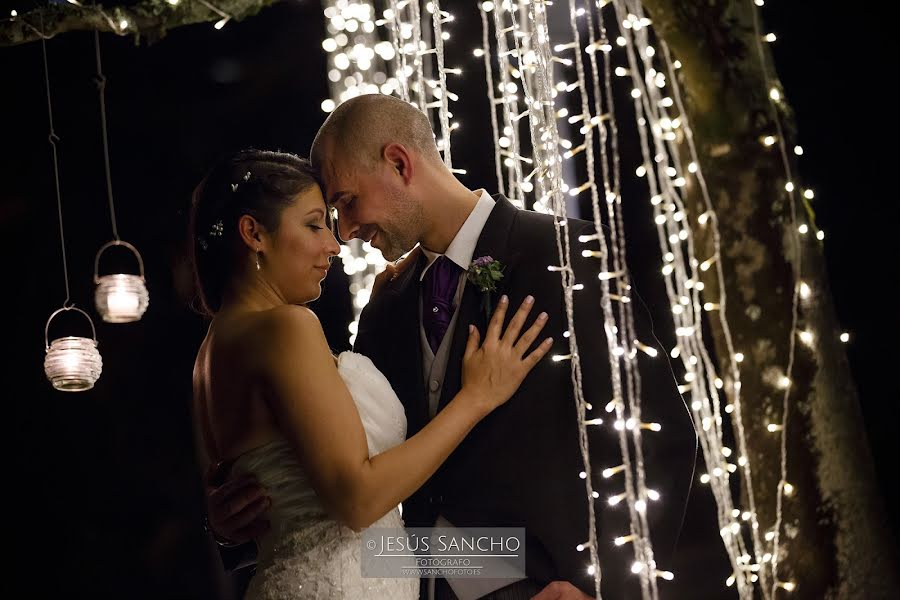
(101, 88)
(53, 138)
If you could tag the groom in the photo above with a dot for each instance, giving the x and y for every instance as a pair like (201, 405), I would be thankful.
(522, 465)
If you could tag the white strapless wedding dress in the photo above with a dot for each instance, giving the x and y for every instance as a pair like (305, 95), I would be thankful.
(306, 553)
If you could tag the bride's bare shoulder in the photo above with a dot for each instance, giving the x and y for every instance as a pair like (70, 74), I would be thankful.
(288, 319)
(256, 332)
(287, 328)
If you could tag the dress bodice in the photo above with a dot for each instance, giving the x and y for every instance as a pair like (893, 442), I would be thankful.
(306, 553)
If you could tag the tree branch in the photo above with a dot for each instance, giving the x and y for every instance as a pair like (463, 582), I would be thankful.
(152, 18)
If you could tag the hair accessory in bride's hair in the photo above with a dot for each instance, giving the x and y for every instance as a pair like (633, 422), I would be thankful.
(215, 231)
(234, 186)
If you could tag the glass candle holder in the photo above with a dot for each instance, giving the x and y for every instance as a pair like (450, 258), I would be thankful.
(72, 364)
(120, 298)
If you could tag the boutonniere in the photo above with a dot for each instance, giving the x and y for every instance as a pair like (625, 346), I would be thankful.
(485, 272)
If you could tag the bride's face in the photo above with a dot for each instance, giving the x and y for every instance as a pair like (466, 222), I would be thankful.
(299, 252)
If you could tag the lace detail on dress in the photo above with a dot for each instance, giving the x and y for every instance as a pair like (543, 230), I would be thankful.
(306, 554)
(323, 561)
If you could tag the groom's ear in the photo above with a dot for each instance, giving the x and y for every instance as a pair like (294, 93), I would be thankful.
(400, 160)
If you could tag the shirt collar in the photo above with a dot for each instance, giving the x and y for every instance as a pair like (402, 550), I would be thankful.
(462, 247)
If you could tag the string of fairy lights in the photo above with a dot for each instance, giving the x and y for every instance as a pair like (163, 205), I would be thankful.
(610, 165)
(357, 64)
(709, 218)
(657, 133)
(801, 290)
(535, 74)
(623, 343)
(531, 82)
(508, 145)
(548, 160)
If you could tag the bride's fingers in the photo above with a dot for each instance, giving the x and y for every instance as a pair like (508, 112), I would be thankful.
(530, 334)
(493, 331)
(535, 357)
(518, 320)
(471, 342)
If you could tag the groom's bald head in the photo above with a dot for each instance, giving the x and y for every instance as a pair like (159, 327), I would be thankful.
(357, 131)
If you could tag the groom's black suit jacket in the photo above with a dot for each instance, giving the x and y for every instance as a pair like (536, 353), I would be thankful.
(520, 466)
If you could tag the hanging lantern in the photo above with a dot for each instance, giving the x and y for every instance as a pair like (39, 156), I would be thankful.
(120, 298)
(72, 364)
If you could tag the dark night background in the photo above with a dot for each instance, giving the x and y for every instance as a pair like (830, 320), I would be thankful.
(105, 496)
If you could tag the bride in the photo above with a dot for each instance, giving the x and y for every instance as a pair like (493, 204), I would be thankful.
(324, 435)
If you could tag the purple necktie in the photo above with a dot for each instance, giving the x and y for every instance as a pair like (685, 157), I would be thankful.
(438, 292)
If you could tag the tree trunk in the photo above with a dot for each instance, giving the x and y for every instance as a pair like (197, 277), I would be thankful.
(151, 18)
(835, 542)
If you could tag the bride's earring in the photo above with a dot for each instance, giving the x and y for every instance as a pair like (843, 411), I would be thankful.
(257, 259)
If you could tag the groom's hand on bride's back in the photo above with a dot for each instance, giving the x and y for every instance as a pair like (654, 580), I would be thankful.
(236, 508)
(561, 590)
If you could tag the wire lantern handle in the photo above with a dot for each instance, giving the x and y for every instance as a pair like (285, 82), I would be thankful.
(63, 309)
(110, 244)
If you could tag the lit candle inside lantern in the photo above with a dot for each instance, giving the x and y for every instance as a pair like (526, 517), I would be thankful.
(122, 303)
(71, 362)
(121, 298)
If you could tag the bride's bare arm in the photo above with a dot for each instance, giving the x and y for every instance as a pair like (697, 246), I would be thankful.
(316, 413)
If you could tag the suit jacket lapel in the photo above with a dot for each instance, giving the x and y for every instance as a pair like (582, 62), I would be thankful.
(492, 242)
(406, 373)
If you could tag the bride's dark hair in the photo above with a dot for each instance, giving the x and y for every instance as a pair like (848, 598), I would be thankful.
(258, 183)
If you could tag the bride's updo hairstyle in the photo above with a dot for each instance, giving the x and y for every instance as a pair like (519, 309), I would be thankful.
(258, 183)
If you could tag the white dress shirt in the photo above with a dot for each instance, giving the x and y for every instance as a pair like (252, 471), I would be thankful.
(462, 247)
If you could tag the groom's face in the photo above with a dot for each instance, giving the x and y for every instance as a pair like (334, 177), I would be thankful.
(372, 206)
